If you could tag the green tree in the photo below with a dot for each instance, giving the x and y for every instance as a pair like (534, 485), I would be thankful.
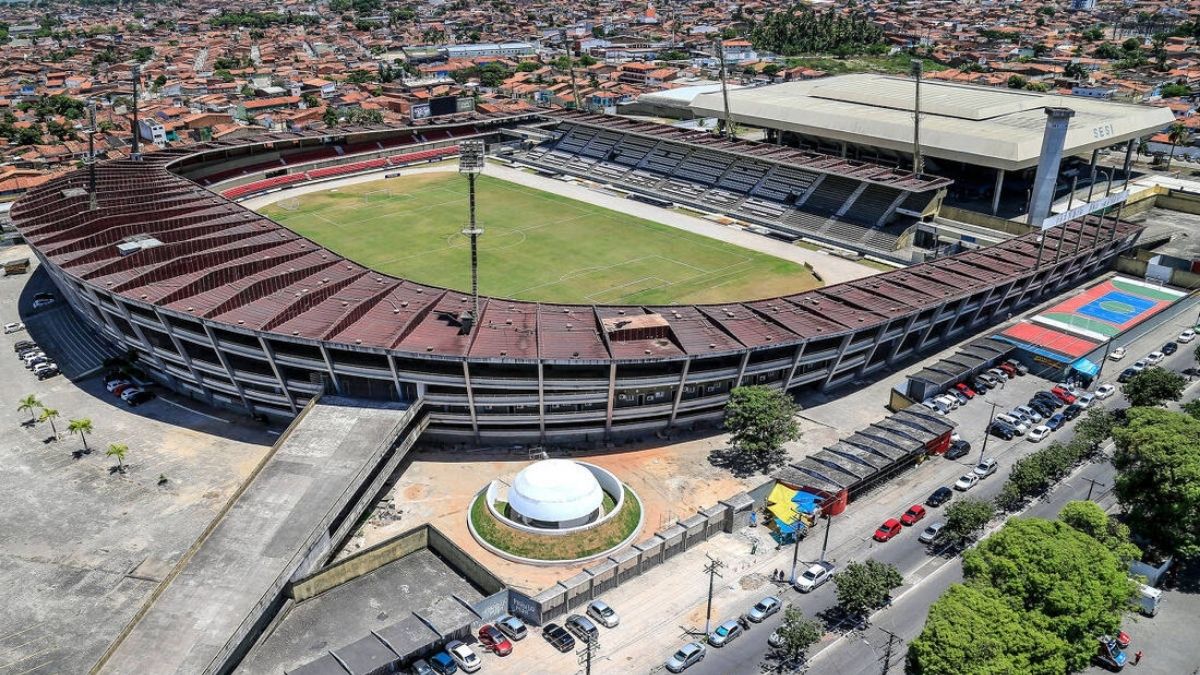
(965, 518)
(760, 421)
(49, 415)
(528, 66)
(310, 100)
(972, 629)
(1095, 427)
(1017, 82)
(1154, 386)
(798, 633)
(863, 587)
(1177, 134)
(1158, 478)
(1131, 45)
(330, 118)
(1093, 34)
(83, 427)
(1174, 90)
(118, 451)
(1090, 519)
(1067, 582)
(1192, 408)
(29, 404)
(143, 54)
(1109, 51)
(803, 30)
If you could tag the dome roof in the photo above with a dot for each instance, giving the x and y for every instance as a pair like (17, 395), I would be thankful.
(555, 490)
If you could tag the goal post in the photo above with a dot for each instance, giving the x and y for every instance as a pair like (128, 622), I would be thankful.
(376, 196)
(289, 204)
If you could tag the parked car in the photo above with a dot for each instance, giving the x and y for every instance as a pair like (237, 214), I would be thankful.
(997, 374)
(512, 627)
(912, 515)
(582, 627)
(120, 389)
(1008, 370)
(951, 402)
(1140, 365)
(1020, 427)
(1126, 375)
(45, 370)
(687, 656)
(1038, 433)
(1186, 336)
(1072, 411)
(1169, 348)
(10, 328)
(1155, 358)
(112, 385)
(558, 637)
(1020, 367)
(775, 639)
(967, 391)
(1105, 390)
(986, 467)
(42, 302)
(764, 608)
(725, 633)
(940, 496)
(966, 482)
(130, 393)
(1002, 430)
(443, 663)
(959, 396)
(980, 386)
(494, 641)
(1050, 399)
(1042, 407)
(991, 379)
(814, 576)
(1056, 421)
(928, 403)
(23, 345)
(931, 533)
(1028, 411)
(890, 528)
(1117, 354)
(601, 612)
(463, 655)
(1063, 394)
(1085, 401)
(421, 667)
(138, 398)
(957, 449)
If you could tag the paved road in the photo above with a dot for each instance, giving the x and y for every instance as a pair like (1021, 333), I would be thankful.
(926, 574)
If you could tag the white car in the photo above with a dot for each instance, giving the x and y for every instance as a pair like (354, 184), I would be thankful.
(1155, 358)
(928, 403)
(1038, 433)
(986, 467)
(814, 576)
(967, 482)
(1117, 354)
(1015, 423)
(10, 328)
(463, 656)
(931, 533)
(1104, 391)
(129, 392)
(112, 385)
(1085, 401)
(1186, 336)
(601, 612)
(949, 401)
(1029, 412)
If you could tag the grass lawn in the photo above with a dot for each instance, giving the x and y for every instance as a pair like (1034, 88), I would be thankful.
(536, 246)
(568, 547)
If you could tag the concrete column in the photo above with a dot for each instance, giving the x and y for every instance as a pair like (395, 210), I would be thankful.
(837, 361)
(612, 396)
(337, 384)
(1053, 139)
(541, 401)
(212, 338)
(182, 351)
(278, 374)
(395, 377)
(787, 384)
(997, 190)
(1129, 148)
(470, 399)
(687, 365)
(742, 369)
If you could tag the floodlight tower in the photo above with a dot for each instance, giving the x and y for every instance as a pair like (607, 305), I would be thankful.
(727, 128)
(918, 160)
(91, 156)
(137, 75)
(470, 162)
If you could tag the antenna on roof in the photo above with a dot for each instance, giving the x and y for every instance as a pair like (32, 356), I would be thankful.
(918, 160)
(726, 125)
(91, 156)
(137, 75)
(470, 162)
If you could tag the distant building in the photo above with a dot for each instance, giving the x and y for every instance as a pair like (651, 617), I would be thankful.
(1083, 5)
(152, 130)
(1105, 92)
(505, 49)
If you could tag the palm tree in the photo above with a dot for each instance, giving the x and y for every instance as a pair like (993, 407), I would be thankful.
(1178, 134)
(118, 450)
(83, 427)
(49, 415)
(30, 403)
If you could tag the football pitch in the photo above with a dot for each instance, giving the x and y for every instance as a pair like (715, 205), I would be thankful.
(536, 245)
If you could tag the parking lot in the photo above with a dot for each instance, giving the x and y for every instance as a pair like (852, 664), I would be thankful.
(83, 546)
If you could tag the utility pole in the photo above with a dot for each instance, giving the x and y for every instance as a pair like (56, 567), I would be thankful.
(570, 66)
(918, 160)
(795, 543)
(470, 162)
(727, 128)
(893, 640)
(712, 567)
(586, 653)
(987, 431)
(1092, 483)
(136, 154)
(828, 524)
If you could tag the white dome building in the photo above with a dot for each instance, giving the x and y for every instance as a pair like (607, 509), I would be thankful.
(555, 494)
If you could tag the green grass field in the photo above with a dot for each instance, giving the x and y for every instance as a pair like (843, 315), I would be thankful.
(536, 246)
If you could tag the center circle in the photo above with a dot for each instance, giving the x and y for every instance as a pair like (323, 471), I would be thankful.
(1117, 307)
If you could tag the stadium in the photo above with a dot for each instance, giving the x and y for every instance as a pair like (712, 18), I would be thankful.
(243, 311)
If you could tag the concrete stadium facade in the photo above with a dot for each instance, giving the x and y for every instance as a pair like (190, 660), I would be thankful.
(228, 306)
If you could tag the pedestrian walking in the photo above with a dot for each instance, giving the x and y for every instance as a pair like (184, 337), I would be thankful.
(1137, 658)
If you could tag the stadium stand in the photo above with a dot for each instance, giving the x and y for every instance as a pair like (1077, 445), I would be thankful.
(266, 185)
(859, 205)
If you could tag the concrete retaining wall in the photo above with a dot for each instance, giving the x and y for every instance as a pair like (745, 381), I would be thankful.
(363, 562)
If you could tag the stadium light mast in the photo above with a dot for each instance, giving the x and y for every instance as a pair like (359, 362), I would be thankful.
(470, 162)
(137, 75)
(719, 47)
(91, 156)
(918, 160)
(570, 66)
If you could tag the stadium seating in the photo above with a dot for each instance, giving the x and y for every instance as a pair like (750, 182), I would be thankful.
(256, 187)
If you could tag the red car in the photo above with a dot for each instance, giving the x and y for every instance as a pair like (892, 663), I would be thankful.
(1008, 370)
(494, 641)
(913, 514)
(889, 528)
(1063, 395)
(966, 391)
